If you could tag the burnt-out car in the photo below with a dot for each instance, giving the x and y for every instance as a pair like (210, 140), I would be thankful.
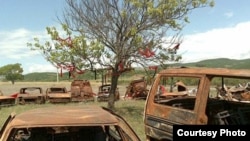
(58, 94)
(104, 91)
(65, 123)
(31, 95)
(196, 96)
(6, 101)
(81, 90)
(137, 89)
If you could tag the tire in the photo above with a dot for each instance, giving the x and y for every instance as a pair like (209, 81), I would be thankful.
(40, 100)
(20, 101)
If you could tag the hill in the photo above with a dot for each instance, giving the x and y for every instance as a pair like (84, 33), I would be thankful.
(213, 63)
(219, 63)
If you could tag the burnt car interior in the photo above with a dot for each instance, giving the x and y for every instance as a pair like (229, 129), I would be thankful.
(104, 89)
(225, 106)
(57, 90)
(31, 90)
(74, 133)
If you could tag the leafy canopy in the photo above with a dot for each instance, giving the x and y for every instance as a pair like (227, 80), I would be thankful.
(12, 72)
(106, 33)
(118, 34)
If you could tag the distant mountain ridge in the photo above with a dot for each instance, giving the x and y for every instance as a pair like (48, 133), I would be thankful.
(212, 63)
(219, 63)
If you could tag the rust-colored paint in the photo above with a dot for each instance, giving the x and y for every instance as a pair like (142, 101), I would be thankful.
(159, 119)
(58, 95)
(68, 116)
(64, 115)
(104, 91)
(7, 101)
(31, 95)
(81, 90)
(137, 89)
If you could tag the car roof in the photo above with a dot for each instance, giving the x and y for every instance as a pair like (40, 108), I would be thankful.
(6, 97)
(31, 88)
(209, 71)
(105, 85)
(57, 87)
(64, 115)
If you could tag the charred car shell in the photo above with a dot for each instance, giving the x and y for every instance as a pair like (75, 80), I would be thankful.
(31, 95)
(58, 94)
(209, 96)
(67, 123)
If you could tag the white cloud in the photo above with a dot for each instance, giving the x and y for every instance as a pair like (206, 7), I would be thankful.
(14, 43)
(14, 49)
(41, 68)
(231, 42)
(229, 14)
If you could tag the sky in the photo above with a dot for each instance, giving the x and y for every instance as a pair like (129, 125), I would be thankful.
(218, 32)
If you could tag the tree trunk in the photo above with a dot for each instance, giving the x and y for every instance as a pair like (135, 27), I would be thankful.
(114, 83)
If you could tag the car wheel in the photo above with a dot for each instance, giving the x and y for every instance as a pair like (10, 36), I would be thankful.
(20, 101)
(40, 100)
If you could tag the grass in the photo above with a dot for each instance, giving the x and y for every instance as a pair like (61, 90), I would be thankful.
(130, 110)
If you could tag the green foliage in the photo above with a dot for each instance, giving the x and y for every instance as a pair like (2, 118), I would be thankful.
(12, 72)
(116, 33)
(67, 49)
(108, 34)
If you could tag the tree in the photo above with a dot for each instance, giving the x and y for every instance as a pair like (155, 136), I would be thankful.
(12, 72)
(116, 34)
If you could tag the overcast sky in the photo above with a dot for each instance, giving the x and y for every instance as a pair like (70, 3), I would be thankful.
(218, 32)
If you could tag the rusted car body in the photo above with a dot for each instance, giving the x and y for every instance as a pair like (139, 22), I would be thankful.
(199, 102)
(6, 101)
(31, 95)
(81, 90)
(58, 94)
(65, 123)
(104, 91)
(137, 89)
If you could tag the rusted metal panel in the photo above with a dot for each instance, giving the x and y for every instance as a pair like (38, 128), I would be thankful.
(68, 123)
(7, 101)
(81, 90)
(162, 111)
(158, 134)
(58, 95)
(104, 92)
(31, 95)
(64, 115)
(137, 89)
(209, 71)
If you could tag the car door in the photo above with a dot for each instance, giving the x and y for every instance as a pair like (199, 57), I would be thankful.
(123, 131)
(3, 128)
